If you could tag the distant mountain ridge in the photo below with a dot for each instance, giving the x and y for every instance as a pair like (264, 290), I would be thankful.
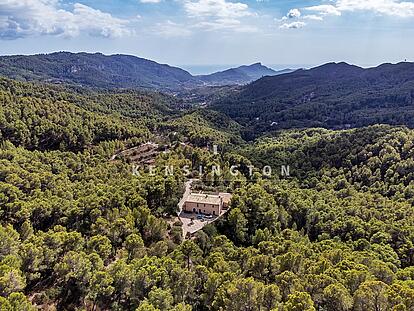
(95, 70)
(334, 95)
(240, 75)
(118, 71)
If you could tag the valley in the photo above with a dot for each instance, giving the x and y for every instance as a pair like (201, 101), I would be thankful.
(121, 71)
(81, 229)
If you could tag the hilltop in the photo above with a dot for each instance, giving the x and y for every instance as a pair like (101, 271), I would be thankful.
(119, 71)
(334, 95)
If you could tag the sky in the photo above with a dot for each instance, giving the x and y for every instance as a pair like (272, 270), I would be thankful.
(214, 32)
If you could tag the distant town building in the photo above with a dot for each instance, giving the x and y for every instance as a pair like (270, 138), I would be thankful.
(210, 204)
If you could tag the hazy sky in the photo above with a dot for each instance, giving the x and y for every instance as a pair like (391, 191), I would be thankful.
(182, 32)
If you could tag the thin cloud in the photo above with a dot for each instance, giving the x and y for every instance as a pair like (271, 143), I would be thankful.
(313, 17)
(383, 7)
(20, 19)
(294, 25)
(216, 8)
(225, 24)
(172, 29)
(402, 9)
(325, 9)
(214, 15)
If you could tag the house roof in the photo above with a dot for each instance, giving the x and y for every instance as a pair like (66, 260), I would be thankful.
(226, 196)
(204, 198)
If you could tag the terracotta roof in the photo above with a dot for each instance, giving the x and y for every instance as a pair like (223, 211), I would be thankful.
(203, 198)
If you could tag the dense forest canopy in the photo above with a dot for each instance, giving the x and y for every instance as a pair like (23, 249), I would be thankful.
(120, 72)
(46, 117)
(95, 70)
(335, 96)
(80, 231)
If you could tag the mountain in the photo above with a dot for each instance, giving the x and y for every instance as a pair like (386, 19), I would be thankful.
(334, 95)
(86, 224)
(240, 75)
(96, 70)
(50, 117)
(119, 71)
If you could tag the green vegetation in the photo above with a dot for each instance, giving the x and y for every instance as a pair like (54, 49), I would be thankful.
(119, 72)
(81, 232)
(95, 70)
(204, 127)
(45, 118)
(334, 96)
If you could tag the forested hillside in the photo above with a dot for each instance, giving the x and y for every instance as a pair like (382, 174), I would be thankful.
(205, 127)
(334, 96)
(44, 117)
(120, 72)
(80, 231)
(95, 70)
